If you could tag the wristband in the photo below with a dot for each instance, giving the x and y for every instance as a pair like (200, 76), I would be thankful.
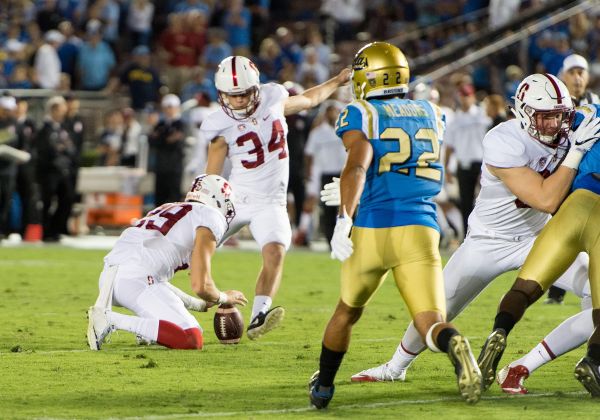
(572, 159)
(222, 298)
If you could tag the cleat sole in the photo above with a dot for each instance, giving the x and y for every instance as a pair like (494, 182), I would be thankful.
(487, 360)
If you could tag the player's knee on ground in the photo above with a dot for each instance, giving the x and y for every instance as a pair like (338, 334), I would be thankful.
(195, 340)
(174, 337)
(520, 296)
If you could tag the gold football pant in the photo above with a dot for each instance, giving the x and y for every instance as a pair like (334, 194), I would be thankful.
(575, 228)
(410, 252)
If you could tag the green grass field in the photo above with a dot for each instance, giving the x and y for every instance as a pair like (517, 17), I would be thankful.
(47, 370)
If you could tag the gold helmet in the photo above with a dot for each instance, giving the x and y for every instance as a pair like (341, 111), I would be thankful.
(379, 69)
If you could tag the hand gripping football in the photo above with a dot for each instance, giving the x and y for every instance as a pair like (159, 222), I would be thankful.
(228, 324)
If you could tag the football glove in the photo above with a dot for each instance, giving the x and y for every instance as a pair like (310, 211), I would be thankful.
(341, 244)
(330, 194)
(582, 139)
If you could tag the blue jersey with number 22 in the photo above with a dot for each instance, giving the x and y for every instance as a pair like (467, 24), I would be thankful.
(405, 173)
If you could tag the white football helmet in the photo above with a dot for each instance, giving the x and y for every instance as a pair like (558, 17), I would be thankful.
(237, 75)
(540, 94)
(213, 191)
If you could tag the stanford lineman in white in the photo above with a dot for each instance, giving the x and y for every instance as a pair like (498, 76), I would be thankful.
(251, 130)
(138, 269)
(527, 172)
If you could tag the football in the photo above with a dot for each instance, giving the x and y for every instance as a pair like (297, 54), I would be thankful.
(228, 324)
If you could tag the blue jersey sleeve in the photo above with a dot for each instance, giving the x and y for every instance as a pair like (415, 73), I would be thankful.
(349, 119)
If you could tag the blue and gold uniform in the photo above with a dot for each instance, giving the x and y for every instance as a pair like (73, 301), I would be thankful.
(396, 225)
(405, 173)
(575, 228)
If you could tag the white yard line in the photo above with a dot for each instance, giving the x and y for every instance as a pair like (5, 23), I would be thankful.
(338, 407)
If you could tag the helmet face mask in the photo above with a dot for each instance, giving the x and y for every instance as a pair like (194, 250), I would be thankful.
(544, 108)
(379, 69)
(213, 191)
(238, 76)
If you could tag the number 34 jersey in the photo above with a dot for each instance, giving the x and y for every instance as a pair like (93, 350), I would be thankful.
(257, 145)
(405, 173)
(162, 241)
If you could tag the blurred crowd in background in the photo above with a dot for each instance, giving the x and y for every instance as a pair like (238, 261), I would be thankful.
(149, 68)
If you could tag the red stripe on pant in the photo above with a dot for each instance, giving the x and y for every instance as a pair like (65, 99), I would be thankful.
(174, 337)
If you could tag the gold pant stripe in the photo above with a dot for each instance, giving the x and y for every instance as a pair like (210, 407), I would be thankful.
(410, 252)
(575, 228)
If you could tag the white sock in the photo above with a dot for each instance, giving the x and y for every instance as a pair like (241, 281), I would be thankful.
(535, 358)
(305, 220)
(570, 334)
(261, 304)
(145, 327)
(409, 348)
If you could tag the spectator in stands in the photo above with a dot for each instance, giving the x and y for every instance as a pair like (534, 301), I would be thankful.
(267, 55)
(139, 21)
(178, 50)
(315, 40)
(199, 83)
(513, 76)
(132, 139)
(216, 50)
(553, 59)
(15, 50)
(575, 74)
(290, 51)
(48, 16)
(20, 78)
(111, 139)
(96, 59)
(237, 21)
(259, 16)
(167, 141)
(47, 63)
(8, 166)
(312, 65)
(27, 187)
(184, 6)
(109, 13)
(348, 16)
(141, 78)
(196, 28)
(55, 151)
(69, 51)
(463, 139)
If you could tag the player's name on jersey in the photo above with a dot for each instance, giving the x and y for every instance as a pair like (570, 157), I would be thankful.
(405, 110)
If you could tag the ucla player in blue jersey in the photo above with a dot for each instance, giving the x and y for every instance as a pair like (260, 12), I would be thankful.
(393, 168)
(575, 228)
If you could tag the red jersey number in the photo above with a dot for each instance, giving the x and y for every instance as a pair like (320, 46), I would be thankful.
(276, 144)
(167, 213)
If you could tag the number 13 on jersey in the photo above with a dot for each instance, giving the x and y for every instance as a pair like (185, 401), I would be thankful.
(393, 161)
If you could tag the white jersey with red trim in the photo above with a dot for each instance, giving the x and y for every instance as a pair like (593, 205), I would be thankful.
(497, 209)
(258, 147)
(162, 242)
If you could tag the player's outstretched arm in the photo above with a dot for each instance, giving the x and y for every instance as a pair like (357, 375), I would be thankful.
(217, 152)
(200, 272)
(315, 95)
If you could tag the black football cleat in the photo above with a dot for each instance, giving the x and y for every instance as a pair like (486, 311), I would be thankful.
(265, 322)
(490, 356)
(587, 372)
(467, 372)
(319, 398)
